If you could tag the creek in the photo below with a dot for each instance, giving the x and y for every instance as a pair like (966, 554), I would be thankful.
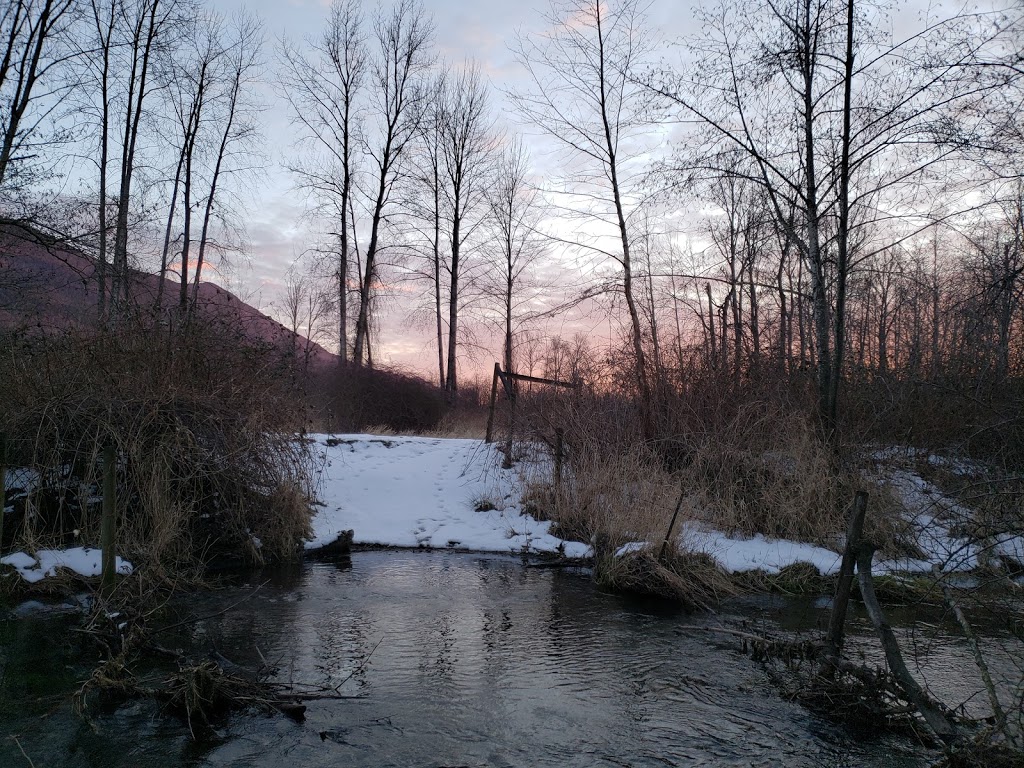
(454, 659)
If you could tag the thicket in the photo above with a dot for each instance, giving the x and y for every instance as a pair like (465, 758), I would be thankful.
(747, 455)
(204, 424)
(350, 398)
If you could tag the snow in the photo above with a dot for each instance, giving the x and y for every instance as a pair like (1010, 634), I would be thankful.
(18, 481)
(451, 493)
(758, 552)
(632, 546)
(82, 560)
(933, 517)
(425, 492)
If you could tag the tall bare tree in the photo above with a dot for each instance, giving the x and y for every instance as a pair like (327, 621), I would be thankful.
(397, 100)
(583, 94)
(234, 113)
(514, 219)
(324, 90)
(32, 49)
(142, 27)
(867, 121)
(467, 148)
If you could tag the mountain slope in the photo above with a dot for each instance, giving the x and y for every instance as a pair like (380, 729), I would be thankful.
(46, 285)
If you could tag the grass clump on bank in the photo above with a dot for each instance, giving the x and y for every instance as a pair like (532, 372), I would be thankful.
(203, 423)
(693, 579)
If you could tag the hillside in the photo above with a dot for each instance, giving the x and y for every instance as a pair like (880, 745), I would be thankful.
(50, 286)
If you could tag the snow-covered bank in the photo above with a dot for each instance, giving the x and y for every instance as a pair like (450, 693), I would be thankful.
(452, 493)
(436, 492)
(82, 560)
(425, 492)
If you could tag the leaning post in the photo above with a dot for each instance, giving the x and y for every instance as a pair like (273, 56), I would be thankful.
(3, 484)
(107, 522)
(837, 621)
(490, 410)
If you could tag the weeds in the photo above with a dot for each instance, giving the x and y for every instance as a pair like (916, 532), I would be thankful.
(204, 431)
(692, 579)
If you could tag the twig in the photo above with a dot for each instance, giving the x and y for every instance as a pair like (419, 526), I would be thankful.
(362, 664)
(727, 631)
(25, 754)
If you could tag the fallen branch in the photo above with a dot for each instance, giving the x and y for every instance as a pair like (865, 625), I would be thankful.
(937, 720)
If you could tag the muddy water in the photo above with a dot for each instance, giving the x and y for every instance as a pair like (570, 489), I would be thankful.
(451, 660)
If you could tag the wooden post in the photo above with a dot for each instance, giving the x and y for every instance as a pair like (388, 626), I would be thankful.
(837, 621)
(3, 484)
(507, 463)
(107, 529)
(559, 446)
(671, 525)
(490, 411)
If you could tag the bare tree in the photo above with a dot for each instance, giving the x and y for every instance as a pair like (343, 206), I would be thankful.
(194, 84)
(104, 17)
(308, 306)
(425, 208)
(396, 75)
(31, 53)
(839, 124)
(584, 96)
(467, 150)
(323, 90)
(141, 27)
(233, 117)
(514, 218)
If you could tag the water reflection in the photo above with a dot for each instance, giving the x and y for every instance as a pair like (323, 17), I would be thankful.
(483, 662)
(450, 659)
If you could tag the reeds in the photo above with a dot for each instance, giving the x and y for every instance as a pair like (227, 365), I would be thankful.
(203, 427)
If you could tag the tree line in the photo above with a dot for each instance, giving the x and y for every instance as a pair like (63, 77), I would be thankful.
(822, 188)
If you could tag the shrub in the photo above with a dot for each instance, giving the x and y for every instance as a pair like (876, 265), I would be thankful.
(204, 425)
(355, 398)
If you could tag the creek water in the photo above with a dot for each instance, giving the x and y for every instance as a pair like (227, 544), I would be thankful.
(450, 659)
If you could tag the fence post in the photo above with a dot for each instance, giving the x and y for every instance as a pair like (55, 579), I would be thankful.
(494, 395)
(107, 530)
(559, 444)
(507, 463)
(671, 526)
(3, 484)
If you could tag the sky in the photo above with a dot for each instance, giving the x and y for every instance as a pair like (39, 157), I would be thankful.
(278, 226)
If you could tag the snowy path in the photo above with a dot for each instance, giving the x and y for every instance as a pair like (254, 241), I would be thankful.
(424, 492)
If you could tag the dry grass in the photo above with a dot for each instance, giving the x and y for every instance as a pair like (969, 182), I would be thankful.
(765, 471)
(612, 500)
(204, 430)
(693, 579)
(462, 422)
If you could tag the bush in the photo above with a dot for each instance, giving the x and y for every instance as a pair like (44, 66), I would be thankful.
(204, 425)
(354, 398)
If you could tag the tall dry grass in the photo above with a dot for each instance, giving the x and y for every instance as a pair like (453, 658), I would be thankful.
(204, 425)
(744, 462)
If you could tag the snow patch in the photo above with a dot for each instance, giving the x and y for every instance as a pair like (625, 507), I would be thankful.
(82, 560)
(758, 552)
(422, 492)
